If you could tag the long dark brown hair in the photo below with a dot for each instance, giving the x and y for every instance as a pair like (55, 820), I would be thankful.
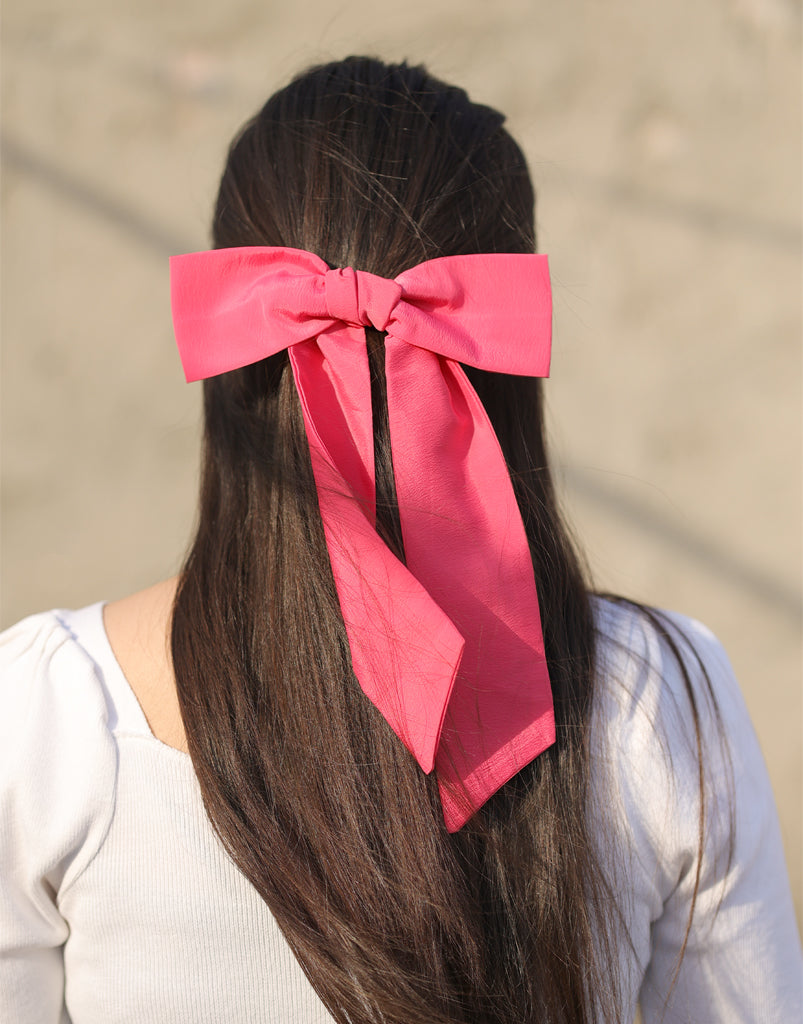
(379, 167)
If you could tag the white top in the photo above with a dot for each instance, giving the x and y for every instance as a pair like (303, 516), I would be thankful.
(119, 905)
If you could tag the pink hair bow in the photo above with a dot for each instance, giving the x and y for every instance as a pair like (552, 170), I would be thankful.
(449, 646)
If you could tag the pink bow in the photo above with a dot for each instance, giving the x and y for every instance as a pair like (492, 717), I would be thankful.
(449, 647)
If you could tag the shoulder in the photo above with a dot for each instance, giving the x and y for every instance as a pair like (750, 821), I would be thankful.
(57, 754)
(669, 715)
(680, 763)
(665, 678)
(634, 636)
(671, 739)
(46, 677)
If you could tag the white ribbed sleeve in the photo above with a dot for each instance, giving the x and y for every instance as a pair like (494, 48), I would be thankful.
(742, 960)
(58, 767)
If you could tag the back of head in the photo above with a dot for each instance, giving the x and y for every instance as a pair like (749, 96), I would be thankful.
(378, 167)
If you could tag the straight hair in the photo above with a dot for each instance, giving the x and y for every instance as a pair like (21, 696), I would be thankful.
(508, 921)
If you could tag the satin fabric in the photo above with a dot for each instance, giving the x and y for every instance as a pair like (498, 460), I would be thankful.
(448, 647)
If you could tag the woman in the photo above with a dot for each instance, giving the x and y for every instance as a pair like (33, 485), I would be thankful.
(379, 733)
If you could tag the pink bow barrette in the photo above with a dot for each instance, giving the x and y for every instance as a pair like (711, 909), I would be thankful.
(449, 646)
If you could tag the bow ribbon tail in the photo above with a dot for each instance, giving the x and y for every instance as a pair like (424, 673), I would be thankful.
(405, 651)
(465, 542)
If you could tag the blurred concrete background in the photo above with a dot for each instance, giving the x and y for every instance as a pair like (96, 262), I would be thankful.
(665, 142)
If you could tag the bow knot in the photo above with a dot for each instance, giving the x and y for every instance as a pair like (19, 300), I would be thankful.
(359, 298)
(447, 645)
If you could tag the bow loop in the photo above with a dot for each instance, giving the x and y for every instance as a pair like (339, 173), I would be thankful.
(359, 298)
(447, 645)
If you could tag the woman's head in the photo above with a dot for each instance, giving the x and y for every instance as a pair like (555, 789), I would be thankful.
(378, 167)
(375, 166)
